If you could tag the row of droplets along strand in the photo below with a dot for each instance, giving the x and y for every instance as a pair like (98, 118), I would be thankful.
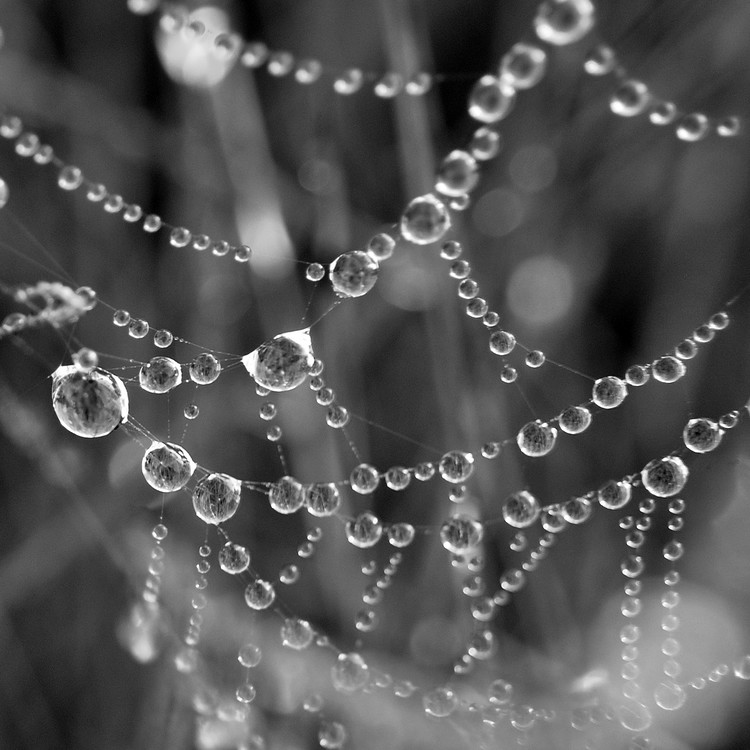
(629, 98)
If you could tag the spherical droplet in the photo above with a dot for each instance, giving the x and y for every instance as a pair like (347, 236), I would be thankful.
(70, 177)
(216, 498)
(401, 534)
(536, 438)
(315, 272)
(249, 655)
(163, 338)
(287, 495)
(296, 633)
(456, 466)
(4, 192)
(365, 530)
(668, 369)
(502, 342)
(574, 419)
(600, 60)
(322, 499)
(500, 692)
(159, 375)
(88, 403)
(702, 435)
(632, 566)
(665, 477)
(521, 509)
(245, 693)
(458, 174)
(637, 375)
(331, 735)
(460, 534)
(204, 369)
(234, 558)
(614, 495)
(381, 246)
(576, 510)
(167, 467)
(121, 318)
(425, 220)
(350, 673)
(609, 392)
(630, 98)
(669, 696)
(563, 22)
(353, 274)
(138, 328)
(281, 363)
(485, 144)
(634, 716)
(364, 479)
(692, 127)
(523, 66)
(260, 594)
(491, 99)
(440, 702)
(742, 667)
(397, 478)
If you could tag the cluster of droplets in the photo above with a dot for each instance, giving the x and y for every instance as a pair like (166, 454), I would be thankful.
(379, 579)
(632, 97)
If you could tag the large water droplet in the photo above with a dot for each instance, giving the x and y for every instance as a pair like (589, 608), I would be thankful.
(456, 466)
(167, 467)
(665, 477)
(350, 673)
(461, 533)
(425, 220)
(521, 509)
(536, 438)
(216, 498)
(296, 633)
(491, 99)
(322, 499)
(159, 375)
(523, 65)
(287, 495)
(260, 594)
(353, 274)
(365, 530)
(702, 435)
(283, 362)
(234, 558)
(609, 392)
(204, 369)
(88, 404)
(458, 174)
(564, 21)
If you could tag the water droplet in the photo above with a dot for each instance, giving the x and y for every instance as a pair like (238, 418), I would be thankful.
(364, 479)
(460, 534)
(630, 98)
(574, 419)
(397, 478)
(381, 246)
(491, 99)
(167, 467)
(350, 673)
(259, 594)
(523, 66)
(673, 550)
(662, 113)
(159, 375)
(686, 349)
(337, 416)
(138, 328)
(296, 633)
(366, 620)
(668, 369)
(308, 71)
(121, 318)
(287, 495)
(331, 735)
(322, 499)
(70, 177)
(485, 144)
(614, 495)
(315, 272)
(500, 693)
(401, 534)
(425, 220)
(353, 274)
(245, 693)
(609, 392)
(634, 716)
(281, 363)
(216, 498)
(665, 477)
(728, 127)
(576, 510)
(669, 696)
(742, 667)
(692, 127)
(521, 509)
(233, 558)
(536, 438)
(89, 404)
(419, 84)
(563, 22)
(365, 530)
(637, 375)
(702, 435)
(600, 60)
(535, 359)
(180, 237)
(632, 566)
(458, 174)
(349, 82)
(456, 466)
(440, 702)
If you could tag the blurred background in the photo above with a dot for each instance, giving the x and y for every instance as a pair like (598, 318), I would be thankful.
(602, 241)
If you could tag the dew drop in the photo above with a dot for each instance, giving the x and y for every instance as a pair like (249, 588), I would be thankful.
(609, 392)
(401, 534)
(456, 466)
(576, 510)
(364, 531)
(350, 673)
(296, 633)
(4, 193)
(536, 438)
(614, 495)
(574, 420)
(234, 558)
(665, 477)
(331, 735)
(160, 375)
(668, 369)
(364, 479)
(381, 246)
(167, 467)
(440, 702)
(353, 274)
(281, 363)
(89, 404)
(692, 127)
(287, 495)
(425, 220)
(460, 534)
(491, 99)
(458, 174)
(637, 375)
(259, 594)
(669, 696)
(630, 98)
(397, 478)
(702, 435)
(563, 22)
(600, 60)
(322, 499)
(521, 509)
(216, 498)
(523, 66)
